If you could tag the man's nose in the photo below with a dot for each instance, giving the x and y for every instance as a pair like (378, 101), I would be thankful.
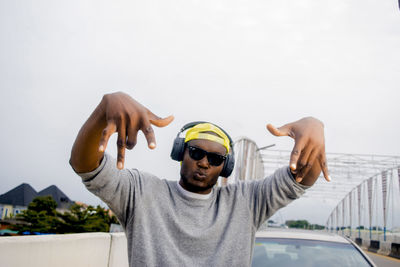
(203, 162)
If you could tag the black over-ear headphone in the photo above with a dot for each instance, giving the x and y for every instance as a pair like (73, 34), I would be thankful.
(178, 149)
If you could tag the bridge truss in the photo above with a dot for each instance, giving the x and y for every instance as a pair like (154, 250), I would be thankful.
(347, 171)
(350, 172)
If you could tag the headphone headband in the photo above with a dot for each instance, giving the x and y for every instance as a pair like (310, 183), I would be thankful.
(194, 123)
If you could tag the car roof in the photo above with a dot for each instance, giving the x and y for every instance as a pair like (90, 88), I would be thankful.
(301, 234)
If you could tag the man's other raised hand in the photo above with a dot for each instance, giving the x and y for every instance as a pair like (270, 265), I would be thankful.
(126, 116)
(308, 155)
(116, 113)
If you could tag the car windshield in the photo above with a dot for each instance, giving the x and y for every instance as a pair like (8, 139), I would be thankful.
(301, 253)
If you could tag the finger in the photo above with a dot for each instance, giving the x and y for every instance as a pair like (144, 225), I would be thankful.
(306, 163)
(299, 178)
(159, 122)
(281, 131)
(121, 144)
(295, 155)
(149, 133)
(107, 132)
(304, 158)
(132, 138)
(324, 167)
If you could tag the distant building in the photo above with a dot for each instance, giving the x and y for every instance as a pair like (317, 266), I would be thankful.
(63, 202)
(18, 199)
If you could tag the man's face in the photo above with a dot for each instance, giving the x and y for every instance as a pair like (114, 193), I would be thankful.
(198, 176)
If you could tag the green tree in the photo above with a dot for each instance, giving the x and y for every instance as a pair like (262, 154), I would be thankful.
(303, 224)
(41, 216)
(317, 227)
(80, 219)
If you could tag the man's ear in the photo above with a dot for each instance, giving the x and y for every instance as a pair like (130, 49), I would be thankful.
(228, 165)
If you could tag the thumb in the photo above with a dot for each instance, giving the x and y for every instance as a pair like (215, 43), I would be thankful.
(160, 122)
(281, 131)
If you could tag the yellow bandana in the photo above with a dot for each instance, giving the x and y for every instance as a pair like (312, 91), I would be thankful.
(198, 132)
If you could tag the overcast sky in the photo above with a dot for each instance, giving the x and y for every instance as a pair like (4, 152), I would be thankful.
(240, 64)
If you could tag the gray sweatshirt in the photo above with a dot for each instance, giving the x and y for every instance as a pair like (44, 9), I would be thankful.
(166, 227)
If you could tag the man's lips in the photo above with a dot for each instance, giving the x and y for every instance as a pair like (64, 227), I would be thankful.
(199, 175)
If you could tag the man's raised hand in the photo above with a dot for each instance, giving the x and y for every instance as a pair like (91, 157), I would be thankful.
(126, 116)
(308, 155)
(119, 113)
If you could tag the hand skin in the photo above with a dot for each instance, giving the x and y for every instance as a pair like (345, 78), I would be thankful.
(308, 158)
(120, 113)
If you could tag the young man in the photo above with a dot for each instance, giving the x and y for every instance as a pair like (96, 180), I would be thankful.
(189, 223)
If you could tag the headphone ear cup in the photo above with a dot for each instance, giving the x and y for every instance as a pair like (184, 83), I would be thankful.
(228, 166)
(178, 149)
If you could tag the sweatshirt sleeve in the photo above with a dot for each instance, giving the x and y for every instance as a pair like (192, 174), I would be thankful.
(272, 193)
(117, 188)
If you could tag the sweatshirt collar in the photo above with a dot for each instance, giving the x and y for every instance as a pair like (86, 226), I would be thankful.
(193, 195)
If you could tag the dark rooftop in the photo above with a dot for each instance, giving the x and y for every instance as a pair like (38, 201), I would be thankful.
(62, 200)
(21, 195)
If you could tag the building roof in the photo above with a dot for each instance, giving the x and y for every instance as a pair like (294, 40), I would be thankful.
(21, 195)
(62, 200)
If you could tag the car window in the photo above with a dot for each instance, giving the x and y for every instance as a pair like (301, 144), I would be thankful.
(305, 253)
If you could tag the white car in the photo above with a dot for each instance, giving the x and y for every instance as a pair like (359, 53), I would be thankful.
(300, 248)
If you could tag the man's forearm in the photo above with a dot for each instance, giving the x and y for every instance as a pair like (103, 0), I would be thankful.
(85, 154)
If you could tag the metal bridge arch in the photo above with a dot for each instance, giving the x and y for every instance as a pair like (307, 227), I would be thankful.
(372, 205)
(349, 172)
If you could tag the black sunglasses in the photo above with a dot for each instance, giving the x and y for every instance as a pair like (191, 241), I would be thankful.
(213, 158)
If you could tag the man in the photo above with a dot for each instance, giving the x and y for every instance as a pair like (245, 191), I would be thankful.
(190, 223)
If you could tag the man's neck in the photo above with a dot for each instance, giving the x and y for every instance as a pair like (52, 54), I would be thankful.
(193, 194)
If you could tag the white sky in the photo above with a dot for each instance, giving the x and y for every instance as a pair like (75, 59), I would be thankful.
(240, 64)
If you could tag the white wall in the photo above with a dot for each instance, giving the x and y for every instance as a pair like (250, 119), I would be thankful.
(118, 251)
(89, 249)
